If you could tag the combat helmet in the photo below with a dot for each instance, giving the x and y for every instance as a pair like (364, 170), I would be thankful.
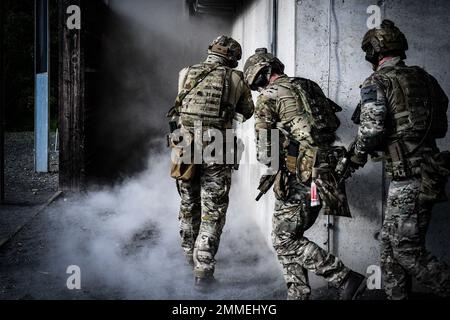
(259, 67)
(227, 48)
(383, 41)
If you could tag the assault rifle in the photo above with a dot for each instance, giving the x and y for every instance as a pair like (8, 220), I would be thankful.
(265, 184)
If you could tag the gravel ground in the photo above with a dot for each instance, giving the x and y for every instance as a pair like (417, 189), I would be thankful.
(25, 190)
(22, 184)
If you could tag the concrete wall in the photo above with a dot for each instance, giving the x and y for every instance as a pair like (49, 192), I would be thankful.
(327, 50)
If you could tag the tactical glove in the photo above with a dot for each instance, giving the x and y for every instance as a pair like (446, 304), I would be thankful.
(358, 160)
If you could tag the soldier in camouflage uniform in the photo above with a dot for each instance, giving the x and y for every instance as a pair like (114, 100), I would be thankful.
(282, 105)
(403, 110)
(211, 93)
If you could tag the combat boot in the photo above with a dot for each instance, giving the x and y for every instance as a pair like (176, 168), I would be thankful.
(353, 286)
(205, 284)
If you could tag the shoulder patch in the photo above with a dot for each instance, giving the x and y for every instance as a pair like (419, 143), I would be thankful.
(368, 94)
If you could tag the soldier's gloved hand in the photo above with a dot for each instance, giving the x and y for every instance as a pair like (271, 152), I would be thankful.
(358, 160)
(344, 169)
(348, 165)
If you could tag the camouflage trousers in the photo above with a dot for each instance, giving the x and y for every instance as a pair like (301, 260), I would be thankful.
(204, 203)
(403, 252)
(296, 253)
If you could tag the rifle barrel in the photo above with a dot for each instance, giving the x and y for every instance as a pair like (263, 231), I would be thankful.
(259, 196)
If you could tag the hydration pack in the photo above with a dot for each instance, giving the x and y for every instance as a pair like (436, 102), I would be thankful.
(320, 111)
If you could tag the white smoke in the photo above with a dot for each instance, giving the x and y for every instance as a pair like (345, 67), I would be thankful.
(126, 239)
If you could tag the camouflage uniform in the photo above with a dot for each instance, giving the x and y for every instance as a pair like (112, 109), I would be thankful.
(394, 119)
(204, 203)
(293, 213)
(204, 199)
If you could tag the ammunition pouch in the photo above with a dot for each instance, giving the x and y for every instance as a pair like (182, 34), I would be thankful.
(399, 166)
(292, 156)
(435, 171)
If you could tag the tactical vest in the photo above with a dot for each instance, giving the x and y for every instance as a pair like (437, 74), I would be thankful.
(320, 113)
(417, 116)
(207, 99)
(417, 110)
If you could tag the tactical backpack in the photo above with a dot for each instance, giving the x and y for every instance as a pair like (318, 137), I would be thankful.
(421, 109)
(320, 111)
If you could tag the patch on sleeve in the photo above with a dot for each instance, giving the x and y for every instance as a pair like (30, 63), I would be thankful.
(369, 94)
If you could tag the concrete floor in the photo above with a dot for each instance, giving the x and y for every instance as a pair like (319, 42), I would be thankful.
(125, 241)
(33, 266)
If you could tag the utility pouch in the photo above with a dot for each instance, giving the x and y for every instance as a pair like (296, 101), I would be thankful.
(183, 171)
(292, 156)
(180, 170)
(400, 167)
